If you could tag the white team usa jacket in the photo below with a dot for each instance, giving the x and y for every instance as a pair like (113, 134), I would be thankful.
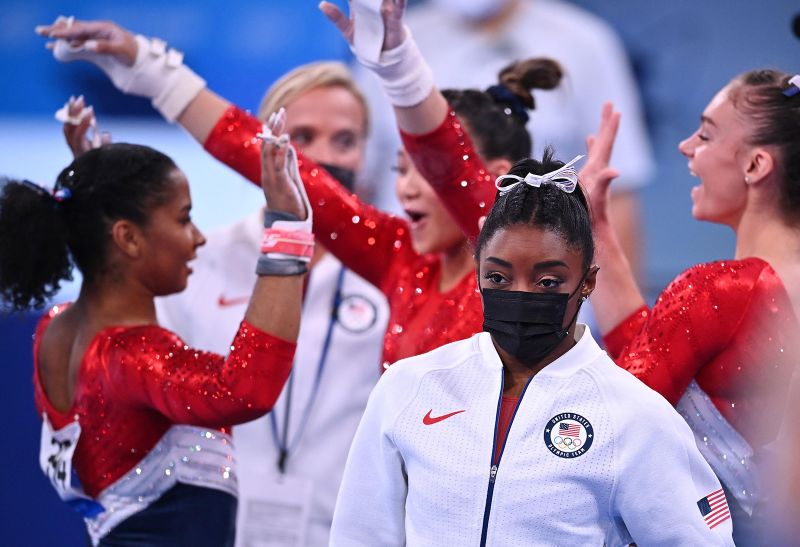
(593, 457)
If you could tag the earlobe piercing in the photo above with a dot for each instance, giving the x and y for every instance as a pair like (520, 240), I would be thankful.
(747, 180)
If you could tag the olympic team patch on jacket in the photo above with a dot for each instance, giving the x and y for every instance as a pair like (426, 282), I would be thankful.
(568, 435)
(356, 313)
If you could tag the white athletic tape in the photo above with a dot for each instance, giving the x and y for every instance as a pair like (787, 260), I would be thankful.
(369, 30)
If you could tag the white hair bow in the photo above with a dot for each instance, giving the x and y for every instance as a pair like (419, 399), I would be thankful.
(565, 178)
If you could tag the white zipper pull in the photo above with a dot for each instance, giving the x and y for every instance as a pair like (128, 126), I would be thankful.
(492, 473)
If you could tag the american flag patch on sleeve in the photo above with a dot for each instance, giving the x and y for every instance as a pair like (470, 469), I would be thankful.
(714, 508)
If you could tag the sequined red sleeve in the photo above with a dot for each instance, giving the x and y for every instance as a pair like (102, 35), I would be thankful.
(368, 241)
(694, 322)
(446, 157)
(151, 367)
(623, 334)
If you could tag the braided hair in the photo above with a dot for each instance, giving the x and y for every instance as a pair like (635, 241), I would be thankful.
(546, 207)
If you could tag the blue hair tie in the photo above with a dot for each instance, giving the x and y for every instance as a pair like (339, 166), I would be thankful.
(501, 94)
(61, 194)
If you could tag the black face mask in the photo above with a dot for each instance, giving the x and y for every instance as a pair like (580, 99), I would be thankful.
(346, 177)
(527, 325)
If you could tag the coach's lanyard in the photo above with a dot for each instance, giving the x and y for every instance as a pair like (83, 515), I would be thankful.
(282, 441)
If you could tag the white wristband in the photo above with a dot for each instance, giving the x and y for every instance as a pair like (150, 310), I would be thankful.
(158, 73)
(406, 77)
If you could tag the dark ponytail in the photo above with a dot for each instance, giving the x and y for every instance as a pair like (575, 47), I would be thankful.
(42, 236)
(496, 118)
(34, 258)
(546, 207)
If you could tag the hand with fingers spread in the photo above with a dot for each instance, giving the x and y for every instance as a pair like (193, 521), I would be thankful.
(596, 175)
(136, 65)
(391, 13)
(78, 119)
(81, 39)
(405, 75)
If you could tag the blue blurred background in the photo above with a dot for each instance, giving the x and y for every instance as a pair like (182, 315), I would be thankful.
(682, 52)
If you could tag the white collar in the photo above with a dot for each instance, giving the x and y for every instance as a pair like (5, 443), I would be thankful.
(583, 352)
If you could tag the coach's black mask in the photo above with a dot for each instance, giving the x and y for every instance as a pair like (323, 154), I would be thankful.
(346, 177)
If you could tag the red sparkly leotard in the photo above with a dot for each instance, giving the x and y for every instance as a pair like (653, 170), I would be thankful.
(376, 245)
(720, 344)
(135, 384)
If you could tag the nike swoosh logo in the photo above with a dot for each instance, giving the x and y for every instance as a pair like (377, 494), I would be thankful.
(429, 420)
(224, 302)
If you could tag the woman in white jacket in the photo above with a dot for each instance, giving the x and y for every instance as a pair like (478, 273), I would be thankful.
(527, 433)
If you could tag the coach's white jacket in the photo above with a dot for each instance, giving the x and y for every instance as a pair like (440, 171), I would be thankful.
(207, 315)
(420, 473)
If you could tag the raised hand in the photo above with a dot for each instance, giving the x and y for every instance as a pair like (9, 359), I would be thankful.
(136, 65)
(596, 175)
(73, 39)
(78, 119)
(280, 178)
(391, 13)
(396, 61)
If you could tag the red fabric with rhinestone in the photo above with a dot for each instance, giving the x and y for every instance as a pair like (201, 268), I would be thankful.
(376, 245)
(136, 382)
(730, 326)
(447, 159)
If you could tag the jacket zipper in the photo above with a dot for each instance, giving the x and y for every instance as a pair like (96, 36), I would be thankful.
(493, 469)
